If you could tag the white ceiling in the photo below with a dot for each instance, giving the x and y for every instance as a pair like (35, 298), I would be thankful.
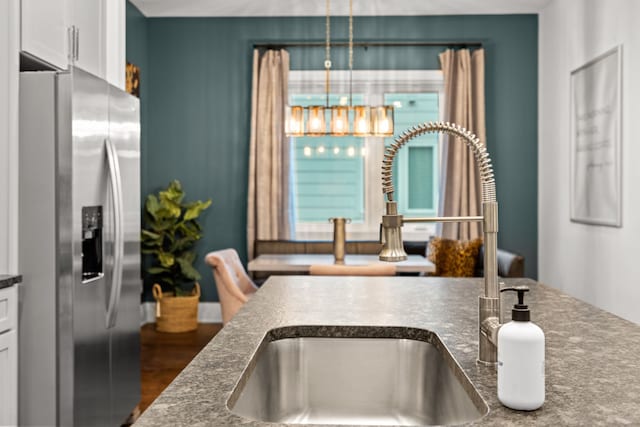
(228, 8)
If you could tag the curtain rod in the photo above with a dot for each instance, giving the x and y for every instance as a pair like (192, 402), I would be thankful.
(368, 44)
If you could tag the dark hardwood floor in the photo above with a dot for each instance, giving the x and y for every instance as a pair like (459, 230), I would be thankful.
(164, 355)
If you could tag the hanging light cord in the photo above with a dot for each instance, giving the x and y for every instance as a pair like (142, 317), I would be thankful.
(350, 53)
(327, 58)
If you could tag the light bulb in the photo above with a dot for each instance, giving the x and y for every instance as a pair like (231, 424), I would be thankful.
(321, 149)
(336, 150)
(316, 124)
(339, 120)
(351, 151)
(384, 125)
(294, 122)
(382, 120)
(362, 118)
(307, 151)
(361, 125)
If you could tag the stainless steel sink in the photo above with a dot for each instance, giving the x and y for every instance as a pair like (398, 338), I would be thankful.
(380, 376)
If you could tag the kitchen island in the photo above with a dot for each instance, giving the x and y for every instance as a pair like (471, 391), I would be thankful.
(592, 363)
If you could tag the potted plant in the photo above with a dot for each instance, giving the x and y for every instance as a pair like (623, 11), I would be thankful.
(170, 230)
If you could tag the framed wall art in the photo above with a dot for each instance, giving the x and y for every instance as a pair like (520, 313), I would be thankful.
(596, 127)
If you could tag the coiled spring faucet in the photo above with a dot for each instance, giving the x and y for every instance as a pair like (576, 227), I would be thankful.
(393, 248)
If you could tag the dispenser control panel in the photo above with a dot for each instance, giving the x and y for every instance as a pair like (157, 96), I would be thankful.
(92, 260)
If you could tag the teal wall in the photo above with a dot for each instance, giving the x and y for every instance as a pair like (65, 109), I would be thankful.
(198, 99)
(137, 54)
(137, 48)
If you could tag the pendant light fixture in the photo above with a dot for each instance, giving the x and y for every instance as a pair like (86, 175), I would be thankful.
(359, 120)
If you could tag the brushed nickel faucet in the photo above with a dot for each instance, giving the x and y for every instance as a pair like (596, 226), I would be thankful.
(393, 248)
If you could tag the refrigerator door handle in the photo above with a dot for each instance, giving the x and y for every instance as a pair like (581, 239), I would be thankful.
(118, 250)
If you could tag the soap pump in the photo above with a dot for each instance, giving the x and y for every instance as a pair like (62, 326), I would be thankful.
(520, 358)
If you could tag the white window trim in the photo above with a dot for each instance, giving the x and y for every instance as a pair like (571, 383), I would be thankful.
(367, 82)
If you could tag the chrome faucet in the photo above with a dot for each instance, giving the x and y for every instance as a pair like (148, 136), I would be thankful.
(393, 248)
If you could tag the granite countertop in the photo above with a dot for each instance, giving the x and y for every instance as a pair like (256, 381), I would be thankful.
(592, 363)
(7, 280)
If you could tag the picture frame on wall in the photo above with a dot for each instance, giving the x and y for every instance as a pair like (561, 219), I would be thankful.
(596, 133)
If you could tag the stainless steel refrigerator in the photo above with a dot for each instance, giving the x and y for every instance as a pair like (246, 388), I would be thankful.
(79, 314)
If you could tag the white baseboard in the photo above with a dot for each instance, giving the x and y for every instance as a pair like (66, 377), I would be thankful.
(208, 312)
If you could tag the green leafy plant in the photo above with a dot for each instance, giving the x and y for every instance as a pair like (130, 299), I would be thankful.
(169, 232)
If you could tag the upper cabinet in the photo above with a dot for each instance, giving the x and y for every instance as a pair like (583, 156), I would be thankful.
(115, 43)
(44, 30)
(90, 34)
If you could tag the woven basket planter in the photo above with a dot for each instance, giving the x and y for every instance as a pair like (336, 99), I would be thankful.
(176, 314)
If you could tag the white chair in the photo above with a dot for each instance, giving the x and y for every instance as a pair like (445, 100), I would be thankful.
(234, 286)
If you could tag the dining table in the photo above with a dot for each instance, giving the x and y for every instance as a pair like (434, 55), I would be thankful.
(300, 263)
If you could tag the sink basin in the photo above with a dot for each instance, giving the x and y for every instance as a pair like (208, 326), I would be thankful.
(355, 376)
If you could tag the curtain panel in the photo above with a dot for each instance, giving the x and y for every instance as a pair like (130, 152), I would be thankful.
(465, 105)
(268, 193)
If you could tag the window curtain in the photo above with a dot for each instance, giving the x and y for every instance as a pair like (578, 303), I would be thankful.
(460, 184)
(268, 195)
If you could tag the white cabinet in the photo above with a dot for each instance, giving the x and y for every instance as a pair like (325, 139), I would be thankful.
(116, 49)
(88, 20)
(88, 33)
(99, 40)
(8, 356)
(44, 30)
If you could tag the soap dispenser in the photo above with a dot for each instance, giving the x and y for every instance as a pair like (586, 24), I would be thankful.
(520, 358)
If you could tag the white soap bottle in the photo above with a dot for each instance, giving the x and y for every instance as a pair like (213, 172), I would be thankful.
(520, 359)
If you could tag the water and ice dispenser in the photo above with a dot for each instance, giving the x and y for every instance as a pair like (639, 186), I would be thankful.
(91, 243)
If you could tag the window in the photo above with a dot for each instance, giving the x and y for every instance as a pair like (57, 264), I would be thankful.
(416, 165)
(340, 176)
(328, 172)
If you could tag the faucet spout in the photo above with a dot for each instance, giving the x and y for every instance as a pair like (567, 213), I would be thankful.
(391, 232)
